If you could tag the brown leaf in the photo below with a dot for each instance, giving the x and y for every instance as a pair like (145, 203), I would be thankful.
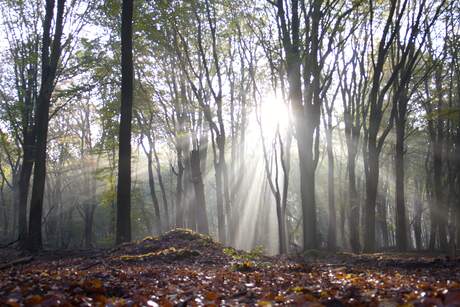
(211, 296)
(33, 300)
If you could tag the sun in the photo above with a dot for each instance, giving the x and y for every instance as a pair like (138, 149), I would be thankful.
(271, 115)
(274, 113)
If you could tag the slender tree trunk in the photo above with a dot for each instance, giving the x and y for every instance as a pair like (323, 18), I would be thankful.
(24, 185)
(457, 221)
(401, 227)
(353, 200)
(126, 110)
(197, 179)
(439, 211)
(89, 222)
(383, 215)
(220, 203)
(281, 217)
(418, 210)
(225, 184)
(342, 209)
(179, 190)
(3, 208)
(457, 164)
(332, 227)
(286, 164)
(156, 206)
(146, 219)
(189, 200)
(162, 188)
(430, 196)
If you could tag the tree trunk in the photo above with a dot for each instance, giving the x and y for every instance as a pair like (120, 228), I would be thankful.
(189, 201)
(24, 184)
(281, 216)
(342, 209)
(146, 218)
(49, 66)
(156, 206)
(89, 221)
(353, 200)
(430, 195)
(457, 221)
(179, 190)
(383, 215)
(4, 209)
(418, 210)
(285, 156)
(305, 102)
(197, 179)
(332, 228)
(124, 153)
(220, 203)
(401, 227)
(439, 210)
(307, 183)
(162, 188)
(372, 176)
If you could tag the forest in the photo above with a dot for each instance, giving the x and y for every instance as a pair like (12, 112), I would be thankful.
(226, 152)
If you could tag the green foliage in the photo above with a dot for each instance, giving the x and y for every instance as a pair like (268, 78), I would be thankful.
(452, 113)
(254, 254)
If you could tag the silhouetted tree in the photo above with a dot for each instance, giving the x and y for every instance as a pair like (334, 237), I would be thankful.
(126, 110)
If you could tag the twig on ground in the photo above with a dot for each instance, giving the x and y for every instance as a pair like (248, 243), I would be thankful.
(22, 260)
(9, 244)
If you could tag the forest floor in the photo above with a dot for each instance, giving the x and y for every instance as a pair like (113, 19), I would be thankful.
(182, 268)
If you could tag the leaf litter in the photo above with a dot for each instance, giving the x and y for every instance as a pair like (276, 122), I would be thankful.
(183, 268)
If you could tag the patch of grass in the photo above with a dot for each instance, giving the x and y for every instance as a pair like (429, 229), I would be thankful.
(230, 251)
(255, 254)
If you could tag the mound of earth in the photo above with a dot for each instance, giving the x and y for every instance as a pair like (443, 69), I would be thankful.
(176, 245)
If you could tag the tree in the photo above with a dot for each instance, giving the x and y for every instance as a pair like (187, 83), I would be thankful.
(327, 108)
(126, 109)
(408, 55)
(353, 82)
(381, 82)
(202, 81)
(50, 55)
(307, 74)
(24, 54)
(145, 126)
